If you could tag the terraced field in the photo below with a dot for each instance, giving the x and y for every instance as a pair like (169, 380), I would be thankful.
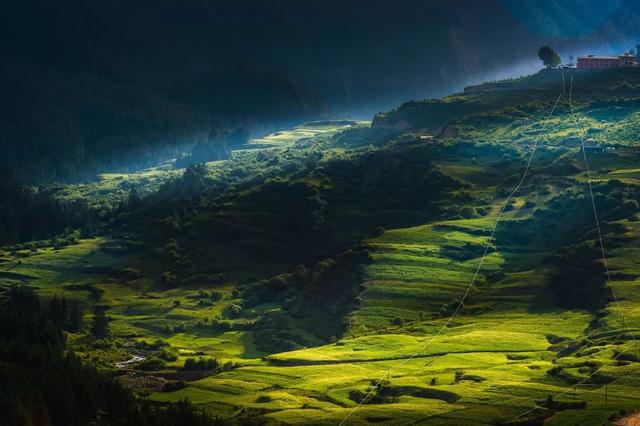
(306, 132)
(494, 364)
(254, 265)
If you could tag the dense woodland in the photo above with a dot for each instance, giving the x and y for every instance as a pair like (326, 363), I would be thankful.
(91, 86)
(79, 107)
(44, 383)
(26, 214)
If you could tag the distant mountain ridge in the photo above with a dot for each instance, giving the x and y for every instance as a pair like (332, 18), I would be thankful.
(92, 86)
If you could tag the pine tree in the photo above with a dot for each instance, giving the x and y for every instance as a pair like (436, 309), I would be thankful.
(75, 319)
(62, 316)
(100, 325)
(53, 308)
(57, 311)
(134, 196)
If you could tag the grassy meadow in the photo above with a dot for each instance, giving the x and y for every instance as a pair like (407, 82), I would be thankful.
(257, 270)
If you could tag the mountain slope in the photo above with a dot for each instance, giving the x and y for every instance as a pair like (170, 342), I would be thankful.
(315, 260)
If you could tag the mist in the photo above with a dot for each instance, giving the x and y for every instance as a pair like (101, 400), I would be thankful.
(88, 84)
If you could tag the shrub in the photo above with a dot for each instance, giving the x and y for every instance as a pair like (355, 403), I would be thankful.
(379, 231)
(151, 346)
(130, 274)
(516, 357)
(234, 311)
(229, 365)
(468, 212)
(356, 395)
(559, 372)
(472, 378)
(168, 279)
(300, 271)
(399, 322)
(173, 386)
(220, 325)
(152, 363)
(191, 364)
(627, 357)
(168, 354)
(453, 210)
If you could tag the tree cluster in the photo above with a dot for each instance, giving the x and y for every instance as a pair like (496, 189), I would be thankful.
(67, 319)
(27, 214)
(45, 384)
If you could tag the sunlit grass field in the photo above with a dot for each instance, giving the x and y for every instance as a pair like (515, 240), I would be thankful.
(504, 351)
(490, 364)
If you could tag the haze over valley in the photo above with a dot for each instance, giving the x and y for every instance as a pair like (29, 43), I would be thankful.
(279, 212)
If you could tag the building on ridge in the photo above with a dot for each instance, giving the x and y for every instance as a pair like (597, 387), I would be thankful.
(600, 62)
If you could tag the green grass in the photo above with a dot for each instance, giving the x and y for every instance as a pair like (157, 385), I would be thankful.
(504, 337)
(305, 132)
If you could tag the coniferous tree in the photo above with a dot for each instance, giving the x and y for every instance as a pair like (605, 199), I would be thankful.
(74, 323)
(53, 307)
(54, 311)
(63, 315)
(42, 383)
(134, 196)
(100, 325)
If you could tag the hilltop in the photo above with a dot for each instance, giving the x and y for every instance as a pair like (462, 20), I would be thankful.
(313, 260)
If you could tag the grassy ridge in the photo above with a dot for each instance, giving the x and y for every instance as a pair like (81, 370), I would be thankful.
(279, 230)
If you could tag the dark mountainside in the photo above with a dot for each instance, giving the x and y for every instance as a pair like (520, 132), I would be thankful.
(90, 86)
(231, 264)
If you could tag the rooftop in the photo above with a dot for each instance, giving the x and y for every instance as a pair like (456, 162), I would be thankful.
(597, 57)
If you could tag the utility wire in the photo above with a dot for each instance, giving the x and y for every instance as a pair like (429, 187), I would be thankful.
(604, 261)
(475, 275)
(611, 361)
(595, 215)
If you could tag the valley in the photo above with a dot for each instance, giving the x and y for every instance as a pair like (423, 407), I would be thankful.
(320, 266)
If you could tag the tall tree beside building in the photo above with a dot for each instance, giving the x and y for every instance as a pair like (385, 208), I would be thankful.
(549, 57)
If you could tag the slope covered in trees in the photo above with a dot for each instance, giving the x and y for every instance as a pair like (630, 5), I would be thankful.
(94, 86)
(43, 383)
(26, 214)
(281, 283)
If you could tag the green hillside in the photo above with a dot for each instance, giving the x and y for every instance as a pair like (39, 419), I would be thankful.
(320, 267)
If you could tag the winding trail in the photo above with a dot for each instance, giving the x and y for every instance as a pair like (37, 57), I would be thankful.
(132, 360)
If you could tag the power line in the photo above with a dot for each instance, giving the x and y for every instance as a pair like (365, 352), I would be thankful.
(605, 264)
(475, 275)
(611, 361)
(595, 215)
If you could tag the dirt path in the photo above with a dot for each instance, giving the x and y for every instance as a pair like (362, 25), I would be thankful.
(632, 419)
(133, 359)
